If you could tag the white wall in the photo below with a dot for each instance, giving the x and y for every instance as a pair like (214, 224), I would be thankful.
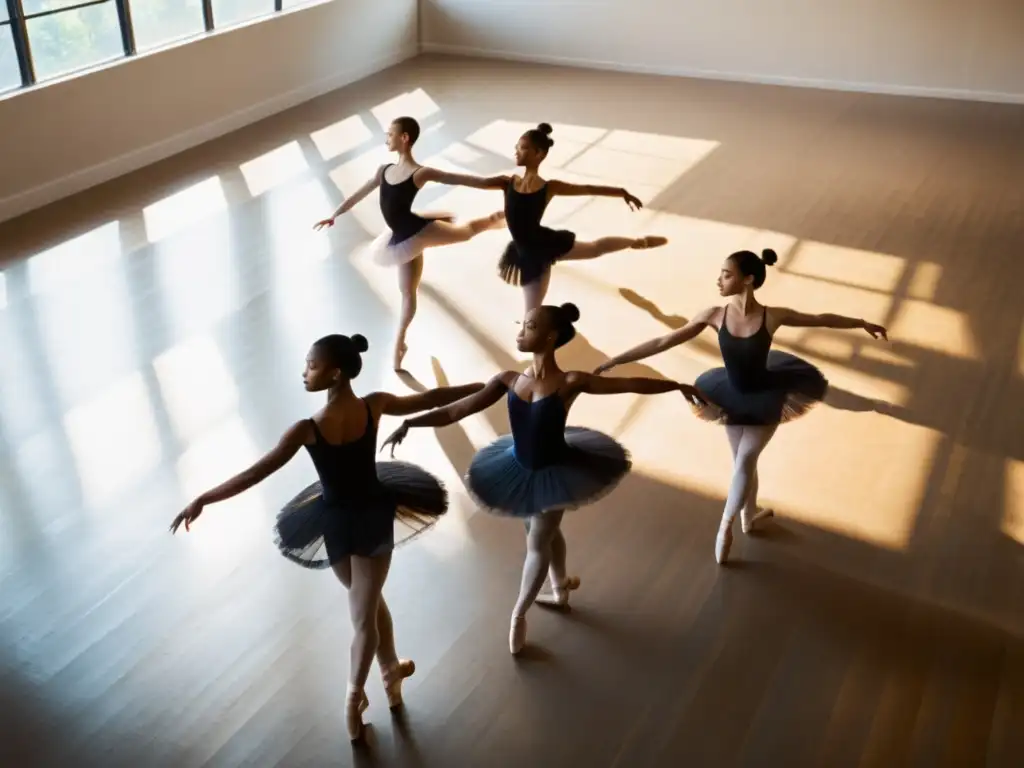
(956, 48)
(61, 138)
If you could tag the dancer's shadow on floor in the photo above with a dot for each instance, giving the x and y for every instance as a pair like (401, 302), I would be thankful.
(407, 750)
(579, 354)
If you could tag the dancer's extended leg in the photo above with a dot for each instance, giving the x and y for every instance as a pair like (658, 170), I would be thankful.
(592, 249)
(440, 232)
(535, 292)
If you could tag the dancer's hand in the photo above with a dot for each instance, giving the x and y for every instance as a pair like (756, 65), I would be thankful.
(324, 223)
(187, 516)
(876, 331)
(693, 394)
(632, 201)
(396, 438)
(604, 367)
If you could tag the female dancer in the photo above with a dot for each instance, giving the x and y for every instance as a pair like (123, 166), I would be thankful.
(347, 520)
(409, 234)
(534, 248)
(543, 468)
(758, 388)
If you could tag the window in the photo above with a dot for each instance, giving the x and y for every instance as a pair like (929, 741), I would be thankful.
(44, 39)
(227, 12)
(65, 39)
(10, 75)
(157, 22)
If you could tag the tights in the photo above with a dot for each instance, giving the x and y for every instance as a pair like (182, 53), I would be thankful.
(545, 556)
(535, 291)
(364, 579)
(438, 233)
(747, 444)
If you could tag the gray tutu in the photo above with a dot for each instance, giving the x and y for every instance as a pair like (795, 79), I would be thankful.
(590, 467)
(316, 533)
(791, 388)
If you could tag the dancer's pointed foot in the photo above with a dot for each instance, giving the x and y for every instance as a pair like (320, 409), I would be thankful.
(400, 351)
(355, 705)
(559, 596)
(750, 523)
(649, 241)
(393, 676)
(723, 543)
(517, 634)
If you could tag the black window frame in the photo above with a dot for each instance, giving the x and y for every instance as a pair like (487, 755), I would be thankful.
(18, 22)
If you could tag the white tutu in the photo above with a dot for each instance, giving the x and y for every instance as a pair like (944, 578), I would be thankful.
(383, 252)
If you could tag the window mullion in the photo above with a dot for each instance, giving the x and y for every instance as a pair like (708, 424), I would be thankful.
(124, 17)
(21, 45)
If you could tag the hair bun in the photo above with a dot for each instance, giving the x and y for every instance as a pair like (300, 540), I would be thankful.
(769, 257)
(360, 343)
(545, 128)
(570, 312)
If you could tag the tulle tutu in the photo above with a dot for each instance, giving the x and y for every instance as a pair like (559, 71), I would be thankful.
(385, 251)
(593, 465)
(521, 264)
(793, 387)
(315, 534)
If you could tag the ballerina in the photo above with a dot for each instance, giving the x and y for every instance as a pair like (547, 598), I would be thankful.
(543, 468)
(534, 248)
(346, 520)
(759, 388)
(409, 234)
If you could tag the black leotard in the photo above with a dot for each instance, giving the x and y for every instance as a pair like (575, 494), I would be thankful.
(534, 248)
(396, 207)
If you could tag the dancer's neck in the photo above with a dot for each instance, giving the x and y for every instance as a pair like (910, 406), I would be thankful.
(746, 304)
(544, 365)
(340, 393)
(406, 158)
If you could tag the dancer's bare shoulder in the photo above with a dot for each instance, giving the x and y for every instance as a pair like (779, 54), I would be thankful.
(711, 316)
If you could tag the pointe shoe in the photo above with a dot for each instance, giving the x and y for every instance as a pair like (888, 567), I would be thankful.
(559, 597)
(723, 544)
(748, 524)
(517, 634)
(393, 677)
(354, 708)
(649, 241)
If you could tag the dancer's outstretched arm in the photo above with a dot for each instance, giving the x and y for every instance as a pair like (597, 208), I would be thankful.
(656, 346)
(567, 189)
(590, 384)
(441, 417)
(426, 173)
(352, 201)
(404, 405)
(784, 316)
(273, 460)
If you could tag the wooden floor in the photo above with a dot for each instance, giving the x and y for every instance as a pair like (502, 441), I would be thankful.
(153, 330)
